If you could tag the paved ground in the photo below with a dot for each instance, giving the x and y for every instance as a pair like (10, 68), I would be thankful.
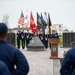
(40, 64)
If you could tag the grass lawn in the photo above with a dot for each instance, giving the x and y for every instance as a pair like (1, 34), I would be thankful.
(61, 40)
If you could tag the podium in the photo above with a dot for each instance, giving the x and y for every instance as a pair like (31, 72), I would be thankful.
(53, 43)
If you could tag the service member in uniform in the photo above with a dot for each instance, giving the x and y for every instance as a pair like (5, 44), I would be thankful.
(18, 38)
(54, 34)
(23, 39)
(31, 35)
(68, 64)
(11, 55)
(41, 38)
(27, 38)
(46, 41)
(4, 69)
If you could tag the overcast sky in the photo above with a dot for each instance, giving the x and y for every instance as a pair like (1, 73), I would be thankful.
(61, 11)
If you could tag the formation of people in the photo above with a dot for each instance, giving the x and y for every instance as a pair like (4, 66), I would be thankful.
(24, 38)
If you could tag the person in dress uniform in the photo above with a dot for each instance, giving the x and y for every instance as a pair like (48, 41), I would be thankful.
(27, 38)
(46, 41)
(40, 33)
(54, 34)
(42, 39)
(31, 35)
(23, 39)
(18, 38)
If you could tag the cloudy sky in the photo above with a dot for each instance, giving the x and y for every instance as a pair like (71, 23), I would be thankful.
(61, 11)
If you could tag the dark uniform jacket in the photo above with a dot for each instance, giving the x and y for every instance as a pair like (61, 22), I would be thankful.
(53, 35)
(11, 56)
(4, 69)
(68, 65)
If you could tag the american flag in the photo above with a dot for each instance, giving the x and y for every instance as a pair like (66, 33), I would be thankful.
(21, 19)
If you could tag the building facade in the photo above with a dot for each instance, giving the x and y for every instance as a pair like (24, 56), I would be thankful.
(5, 19)
(59, 28)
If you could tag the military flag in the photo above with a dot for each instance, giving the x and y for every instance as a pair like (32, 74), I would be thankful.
(39, 22)
(32, 24)
(21, 19)
(47, 27)
(49, 23)
(44, 23)
(45, 17)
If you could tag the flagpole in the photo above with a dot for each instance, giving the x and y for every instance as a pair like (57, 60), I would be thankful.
(49, 23)
(49, 29)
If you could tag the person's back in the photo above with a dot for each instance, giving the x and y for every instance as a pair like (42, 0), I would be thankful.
(68, 64)
(11, 56)
(4, 69)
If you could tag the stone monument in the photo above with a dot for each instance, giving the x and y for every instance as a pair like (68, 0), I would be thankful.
(35, 44)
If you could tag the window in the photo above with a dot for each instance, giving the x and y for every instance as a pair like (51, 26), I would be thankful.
(59, 26)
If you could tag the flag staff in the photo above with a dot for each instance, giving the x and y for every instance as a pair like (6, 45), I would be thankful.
(49, 23)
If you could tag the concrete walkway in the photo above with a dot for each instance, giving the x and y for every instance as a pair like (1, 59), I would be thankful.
(40, 64)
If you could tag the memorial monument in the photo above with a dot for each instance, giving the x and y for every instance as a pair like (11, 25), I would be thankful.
(35, 44)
